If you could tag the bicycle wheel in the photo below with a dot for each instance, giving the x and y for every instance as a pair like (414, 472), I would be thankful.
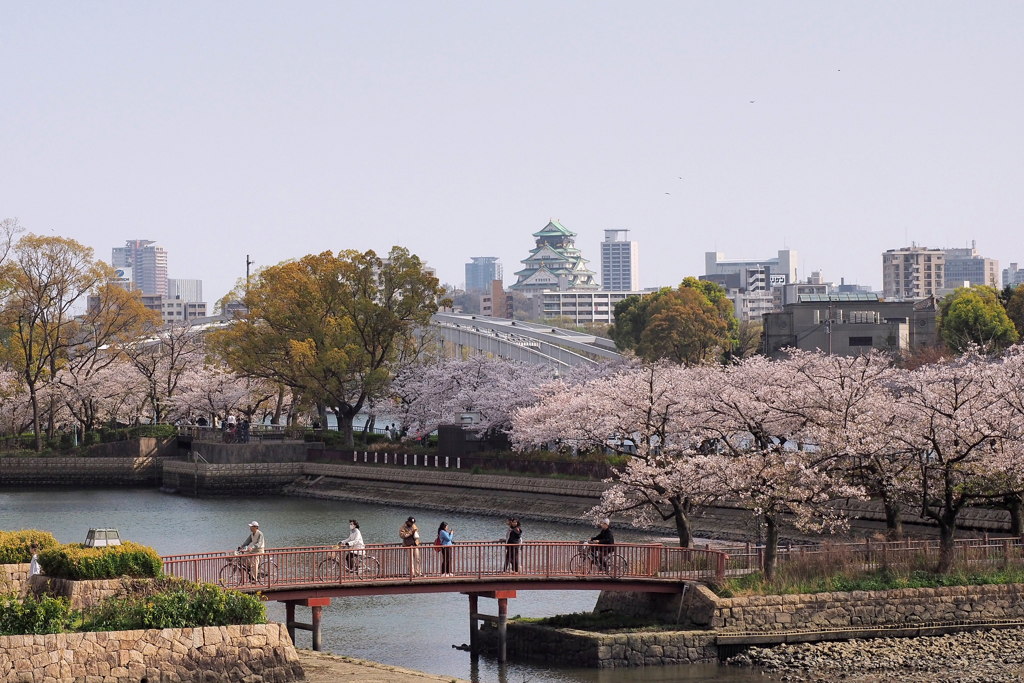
(268, 572)
(329, 570)
(616, 566)
(579, 565)
(231, 575)
(368, 567)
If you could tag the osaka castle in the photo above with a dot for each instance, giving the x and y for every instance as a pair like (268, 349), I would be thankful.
(555, 264)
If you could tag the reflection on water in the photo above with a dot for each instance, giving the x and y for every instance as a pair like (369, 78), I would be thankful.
(413, 631)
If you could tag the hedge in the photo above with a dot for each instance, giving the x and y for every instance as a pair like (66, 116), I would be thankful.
(22, 616)
(174, 603)
(14, 544)
(76, 561)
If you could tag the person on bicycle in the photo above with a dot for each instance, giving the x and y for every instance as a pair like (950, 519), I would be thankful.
(355, 541)
(604, 538)
(254, 544)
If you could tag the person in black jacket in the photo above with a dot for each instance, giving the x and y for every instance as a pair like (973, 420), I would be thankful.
(515, 537)
(602, 542)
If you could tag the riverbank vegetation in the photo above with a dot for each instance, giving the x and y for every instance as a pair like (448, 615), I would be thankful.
(164, 603)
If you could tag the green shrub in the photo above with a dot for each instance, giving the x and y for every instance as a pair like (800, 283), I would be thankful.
(158, 431)
(91, 439)
(77, 562)
(605, 621)
(34, 615)
(174, 603)
(14, 544)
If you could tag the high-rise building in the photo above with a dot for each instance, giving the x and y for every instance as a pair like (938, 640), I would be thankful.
(1013, 276)
(148, 262)
(555, 264)
(913, 272)
(184, 290)
(481, 271)
(966, 265)
(620, 262)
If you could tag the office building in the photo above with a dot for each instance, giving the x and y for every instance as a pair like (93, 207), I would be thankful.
(481, 271)
(913, 272)
(1013, 276)
(554, 264)
(966, 266)
(148, 263)
(620, 262)
(851, 324)
(776, 271)
(185, 289)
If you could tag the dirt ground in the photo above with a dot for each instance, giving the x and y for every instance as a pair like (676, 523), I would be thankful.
(322, 667)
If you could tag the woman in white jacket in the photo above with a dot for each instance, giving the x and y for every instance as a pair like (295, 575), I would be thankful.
(354, 541)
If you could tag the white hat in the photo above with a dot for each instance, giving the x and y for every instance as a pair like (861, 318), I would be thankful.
(254, 523)
(604, 520)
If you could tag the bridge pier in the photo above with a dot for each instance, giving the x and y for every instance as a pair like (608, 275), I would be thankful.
(501, 620)
(316, 606)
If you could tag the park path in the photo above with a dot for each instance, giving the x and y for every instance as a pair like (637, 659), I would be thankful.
(323, 667)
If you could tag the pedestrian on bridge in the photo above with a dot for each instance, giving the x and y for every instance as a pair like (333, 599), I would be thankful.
(515, 537)
(446, 535)
(410, 535)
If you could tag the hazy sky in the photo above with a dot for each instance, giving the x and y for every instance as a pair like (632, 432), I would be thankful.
(457, 129)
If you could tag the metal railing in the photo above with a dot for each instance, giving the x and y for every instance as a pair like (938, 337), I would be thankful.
(870, 554)
(482, 561)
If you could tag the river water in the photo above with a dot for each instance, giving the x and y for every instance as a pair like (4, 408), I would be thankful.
(413, 631)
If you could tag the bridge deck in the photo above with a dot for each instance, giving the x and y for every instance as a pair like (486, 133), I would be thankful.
(290, 573)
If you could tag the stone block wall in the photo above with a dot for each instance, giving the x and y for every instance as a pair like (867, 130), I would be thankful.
(861, 609)
(582, 648)
(80, 594)
(258, 652)
(204, 479)
(14, 577)
(80, 471)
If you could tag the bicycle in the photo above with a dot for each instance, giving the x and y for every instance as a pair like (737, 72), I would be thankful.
(591, 558)
(236, 571)
(363, 566)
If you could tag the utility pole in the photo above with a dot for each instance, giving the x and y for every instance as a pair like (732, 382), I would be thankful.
(248, 262)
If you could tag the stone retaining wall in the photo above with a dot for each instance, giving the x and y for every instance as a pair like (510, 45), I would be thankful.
(14, 577)
(582, 648)
(80, 471)
(258, 652)
(197, 478)
(863, 609)
(80, 594)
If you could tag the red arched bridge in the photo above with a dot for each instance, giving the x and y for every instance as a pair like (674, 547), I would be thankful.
(311, 576)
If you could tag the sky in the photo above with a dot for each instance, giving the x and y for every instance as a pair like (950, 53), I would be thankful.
(458, 129)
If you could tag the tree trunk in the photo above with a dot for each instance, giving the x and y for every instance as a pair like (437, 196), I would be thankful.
(771, 546)
(278, 407)
(1014, 503)
(893, 520)
(947, 530)
(345, 427)
(682, 523)
(35, 418)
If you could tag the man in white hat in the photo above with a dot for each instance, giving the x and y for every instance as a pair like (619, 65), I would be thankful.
(254, 544)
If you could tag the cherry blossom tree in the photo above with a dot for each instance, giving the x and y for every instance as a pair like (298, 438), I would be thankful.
(217, 391)
(163, 360)
(850, 412)
(643, 413)
(756, 411)
(955, 418)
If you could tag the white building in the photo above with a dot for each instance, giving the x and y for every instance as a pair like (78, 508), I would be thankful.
(779, 270)
(620, 262)
(582, 307)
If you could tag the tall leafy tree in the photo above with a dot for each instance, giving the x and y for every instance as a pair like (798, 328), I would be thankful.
(333, 327)
(46, 278)
(1015, 309)
(689, 325)
(974, 316)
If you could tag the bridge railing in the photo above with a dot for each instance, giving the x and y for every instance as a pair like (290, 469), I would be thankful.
(325, 565)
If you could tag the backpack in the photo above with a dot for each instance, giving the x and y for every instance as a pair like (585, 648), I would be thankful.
(437, 544)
